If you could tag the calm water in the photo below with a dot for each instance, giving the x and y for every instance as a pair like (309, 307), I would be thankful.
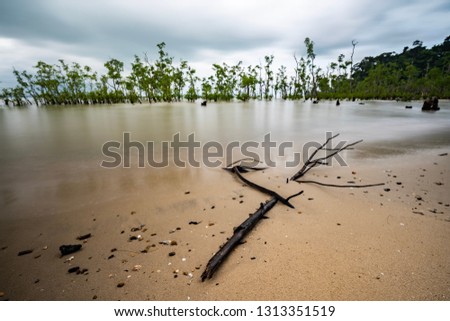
(50, 157)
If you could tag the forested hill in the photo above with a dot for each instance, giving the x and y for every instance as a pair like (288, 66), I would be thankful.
(416, 72)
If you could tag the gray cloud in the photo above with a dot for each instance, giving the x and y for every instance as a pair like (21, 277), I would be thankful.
(203, 31)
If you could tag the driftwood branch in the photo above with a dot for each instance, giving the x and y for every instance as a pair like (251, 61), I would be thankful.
(312, 162)
(337, 185)
(245, 227)
(239, 233)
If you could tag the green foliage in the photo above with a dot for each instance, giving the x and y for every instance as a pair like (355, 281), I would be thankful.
(415, 73)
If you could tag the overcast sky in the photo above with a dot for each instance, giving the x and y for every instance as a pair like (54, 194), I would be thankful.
(205, 32)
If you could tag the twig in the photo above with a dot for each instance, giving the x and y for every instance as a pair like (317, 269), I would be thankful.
(312, 162)
(343, 186)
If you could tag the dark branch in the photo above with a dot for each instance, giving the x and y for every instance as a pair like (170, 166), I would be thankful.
(342, 186)
(312, 162)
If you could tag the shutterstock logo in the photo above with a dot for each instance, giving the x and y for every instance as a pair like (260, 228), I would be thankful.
(190, 152)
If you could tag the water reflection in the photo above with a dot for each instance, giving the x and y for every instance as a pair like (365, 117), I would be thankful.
(49, 157)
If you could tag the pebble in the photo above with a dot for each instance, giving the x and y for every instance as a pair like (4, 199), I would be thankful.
(69, 249)
(187, 192)
(69, 259)
(137, 267)
(84, 237)
(387, 189)
(74, 269)
(25, 252)
(172, 253)
(168, 242)
(135, 229)
(120, 285)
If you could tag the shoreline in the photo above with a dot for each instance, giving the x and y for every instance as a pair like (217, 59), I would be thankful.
(338, 244)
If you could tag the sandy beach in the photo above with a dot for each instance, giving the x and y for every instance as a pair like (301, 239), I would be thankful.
(381, 243)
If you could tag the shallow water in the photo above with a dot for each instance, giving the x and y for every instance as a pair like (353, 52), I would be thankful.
(50, 157)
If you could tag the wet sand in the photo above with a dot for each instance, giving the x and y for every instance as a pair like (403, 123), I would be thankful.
(381, 243)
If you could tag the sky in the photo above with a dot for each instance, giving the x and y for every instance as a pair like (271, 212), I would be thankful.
(203, 32)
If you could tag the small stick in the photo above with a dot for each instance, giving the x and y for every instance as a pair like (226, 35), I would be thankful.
(343, 186)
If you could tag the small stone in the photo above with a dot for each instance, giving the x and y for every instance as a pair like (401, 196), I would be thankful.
(25, 252)
(133, 212)
(187, 192)
(241, 201)
(172, 253)
(120, 284)
(194, 222)
(253, 258)
(387, 189)
(399, 183)
(111, 256)
(419, 198)
(74, 269)
(136, 268)
(135, 229)
(84, 237)
(213, 207)
(310, 198)
(94, 297)
(439, 183)
(69, 249)
(168, 242)
(83, 271)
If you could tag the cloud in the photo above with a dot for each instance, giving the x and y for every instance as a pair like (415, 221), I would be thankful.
(203, 31)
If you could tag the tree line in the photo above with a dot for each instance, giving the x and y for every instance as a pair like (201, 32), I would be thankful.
(415, 73)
